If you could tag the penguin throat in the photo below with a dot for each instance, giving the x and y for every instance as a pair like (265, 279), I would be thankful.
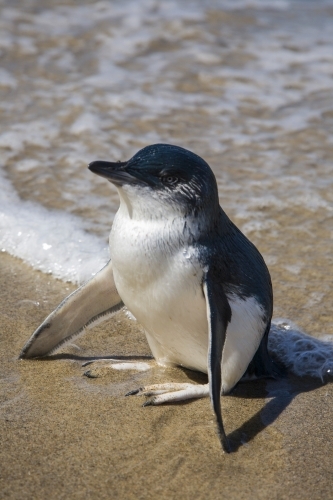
(142, 203)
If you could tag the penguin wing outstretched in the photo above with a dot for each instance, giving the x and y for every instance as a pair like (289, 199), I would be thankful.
(93, 302)
(218, 315)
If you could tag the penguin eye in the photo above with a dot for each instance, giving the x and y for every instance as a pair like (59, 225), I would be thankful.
(170, 180)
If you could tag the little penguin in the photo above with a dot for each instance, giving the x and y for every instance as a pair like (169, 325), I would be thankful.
(197, 285)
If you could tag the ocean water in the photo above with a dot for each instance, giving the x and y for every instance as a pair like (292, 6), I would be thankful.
(247, 85)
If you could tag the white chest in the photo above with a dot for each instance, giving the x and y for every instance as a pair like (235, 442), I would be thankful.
(160, 283)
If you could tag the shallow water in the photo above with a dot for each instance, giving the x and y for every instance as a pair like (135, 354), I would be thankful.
(247, 85)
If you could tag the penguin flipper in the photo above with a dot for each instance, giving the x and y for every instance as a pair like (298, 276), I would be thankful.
(218, 315)
(95, 301)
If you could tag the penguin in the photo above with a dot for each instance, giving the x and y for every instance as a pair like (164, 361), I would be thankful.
(191, 278)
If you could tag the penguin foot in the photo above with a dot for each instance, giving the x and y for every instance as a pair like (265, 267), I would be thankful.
(100, 367)
(170, 393)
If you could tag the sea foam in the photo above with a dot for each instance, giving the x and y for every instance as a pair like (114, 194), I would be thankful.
(53, 242)
(303, 355)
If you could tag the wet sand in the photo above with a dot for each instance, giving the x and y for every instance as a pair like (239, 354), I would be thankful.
(64, 435)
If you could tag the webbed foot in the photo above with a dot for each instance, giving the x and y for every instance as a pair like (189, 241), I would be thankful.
(170, 393)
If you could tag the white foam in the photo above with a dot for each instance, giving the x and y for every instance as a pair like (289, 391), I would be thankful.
(36, 133)
(300, 353)
(53, 242)
(87, 122)
(257, 4)
(7, 80)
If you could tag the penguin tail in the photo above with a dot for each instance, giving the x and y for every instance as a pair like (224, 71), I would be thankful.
(262, 364)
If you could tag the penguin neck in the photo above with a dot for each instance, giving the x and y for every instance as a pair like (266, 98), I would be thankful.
(166, 217)
(146, 205)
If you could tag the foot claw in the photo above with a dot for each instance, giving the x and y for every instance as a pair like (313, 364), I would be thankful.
(89, 374)
(133, 392)
(149, 402)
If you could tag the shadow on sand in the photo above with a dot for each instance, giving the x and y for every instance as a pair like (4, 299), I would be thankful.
(278, 393)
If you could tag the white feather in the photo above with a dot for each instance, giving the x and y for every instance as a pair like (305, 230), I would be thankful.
(160, 282)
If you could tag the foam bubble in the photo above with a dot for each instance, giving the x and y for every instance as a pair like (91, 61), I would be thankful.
(302, 354)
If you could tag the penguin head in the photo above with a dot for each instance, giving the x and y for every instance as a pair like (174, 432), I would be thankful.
(163, 176)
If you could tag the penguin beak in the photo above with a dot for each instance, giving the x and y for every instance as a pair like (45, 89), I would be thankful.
(113, 172)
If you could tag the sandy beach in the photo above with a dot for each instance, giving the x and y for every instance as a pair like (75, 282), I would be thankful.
(247, 85)
(64, 435)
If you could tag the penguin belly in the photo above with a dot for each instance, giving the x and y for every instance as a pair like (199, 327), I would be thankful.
(172, 310)
(163, 290)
